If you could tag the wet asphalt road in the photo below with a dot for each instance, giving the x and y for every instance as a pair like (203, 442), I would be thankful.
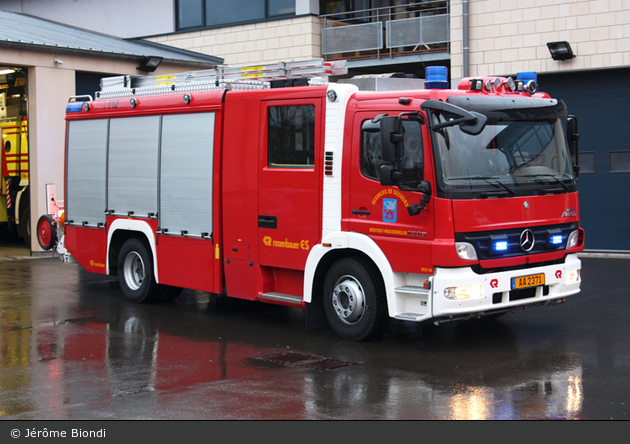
(73, 348)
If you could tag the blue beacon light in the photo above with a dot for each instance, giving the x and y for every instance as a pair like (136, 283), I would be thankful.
(436, 77)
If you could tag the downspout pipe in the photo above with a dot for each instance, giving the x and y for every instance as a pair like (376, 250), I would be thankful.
(466, 38)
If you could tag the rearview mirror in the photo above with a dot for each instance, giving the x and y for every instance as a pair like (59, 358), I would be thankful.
(469, 122)
(391, 139)
(572, 138)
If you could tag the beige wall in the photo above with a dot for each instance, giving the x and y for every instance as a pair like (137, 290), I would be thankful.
(297, 38)
(508, 36)
(48, 92)
(50, 85)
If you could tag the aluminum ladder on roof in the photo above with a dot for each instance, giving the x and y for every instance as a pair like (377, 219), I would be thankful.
(220, 78)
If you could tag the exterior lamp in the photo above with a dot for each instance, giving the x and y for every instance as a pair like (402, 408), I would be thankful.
(560, 50)
(150, 64)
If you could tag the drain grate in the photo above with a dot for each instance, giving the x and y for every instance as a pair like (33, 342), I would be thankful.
(301, 360)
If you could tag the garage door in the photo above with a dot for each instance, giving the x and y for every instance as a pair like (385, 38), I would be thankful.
(601, 101)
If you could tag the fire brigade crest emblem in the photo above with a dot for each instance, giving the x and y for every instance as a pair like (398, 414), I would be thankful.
(390, 210)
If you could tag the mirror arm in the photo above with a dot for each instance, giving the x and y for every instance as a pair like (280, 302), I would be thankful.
(425, 189)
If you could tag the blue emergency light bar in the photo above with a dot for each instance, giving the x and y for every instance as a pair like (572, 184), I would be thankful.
(74, 107)
(436, 77)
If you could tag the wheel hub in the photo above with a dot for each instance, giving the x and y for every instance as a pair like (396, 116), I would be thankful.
(348, 299)
(134, 270)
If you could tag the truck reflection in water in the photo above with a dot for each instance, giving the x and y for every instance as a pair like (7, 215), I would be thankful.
(83, 354)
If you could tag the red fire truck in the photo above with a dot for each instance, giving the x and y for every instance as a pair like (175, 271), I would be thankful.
(270, 184)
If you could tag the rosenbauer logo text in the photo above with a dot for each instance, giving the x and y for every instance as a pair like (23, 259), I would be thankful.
(301, 245)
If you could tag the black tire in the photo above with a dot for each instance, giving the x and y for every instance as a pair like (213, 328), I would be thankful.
(24, 229)
(354, 300)
(168, 293)
(135, 272)
(46, 233)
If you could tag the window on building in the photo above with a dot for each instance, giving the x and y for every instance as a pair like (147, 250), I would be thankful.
(619, 161)
(291, 136)
(280, 7)
(588, 163)
(195, 14)
(189, 13)
(335, 6)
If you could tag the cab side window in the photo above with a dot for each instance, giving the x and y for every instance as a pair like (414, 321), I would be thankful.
(412, 162)
(371, 159)
(291, 136)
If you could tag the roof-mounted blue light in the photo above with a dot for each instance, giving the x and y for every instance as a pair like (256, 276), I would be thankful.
(436, 77)
(527, 75)
(74, 107)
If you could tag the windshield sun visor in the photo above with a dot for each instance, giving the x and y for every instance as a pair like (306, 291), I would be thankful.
(512, 108)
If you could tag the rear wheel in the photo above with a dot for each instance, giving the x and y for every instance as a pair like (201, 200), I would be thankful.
(46, 235)
(354, 300)
(135, 272)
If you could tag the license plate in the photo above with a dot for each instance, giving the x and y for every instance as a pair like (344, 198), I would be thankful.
(532, 280)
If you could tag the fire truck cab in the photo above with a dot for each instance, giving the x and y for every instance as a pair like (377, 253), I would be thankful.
(359, 206)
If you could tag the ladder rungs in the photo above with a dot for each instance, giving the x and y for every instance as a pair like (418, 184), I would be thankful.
(223, 77)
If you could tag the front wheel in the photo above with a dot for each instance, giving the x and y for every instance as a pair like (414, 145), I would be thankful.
(354, 300)
(135, 272)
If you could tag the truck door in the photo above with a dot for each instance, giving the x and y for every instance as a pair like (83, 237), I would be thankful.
(289, 216)
(381, 212)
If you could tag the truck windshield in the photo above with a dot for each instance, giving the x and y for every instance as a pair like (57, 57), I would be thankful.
(509, 157)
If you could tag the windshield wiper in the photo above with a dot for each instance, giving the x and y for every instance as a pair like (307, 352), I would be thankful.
(553, 179)
(488, 179)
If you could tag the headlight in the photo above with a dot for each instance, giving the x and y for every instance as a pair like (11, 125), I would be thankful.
(466, 251)
(463, 292)
(573, 277)
(572, 241)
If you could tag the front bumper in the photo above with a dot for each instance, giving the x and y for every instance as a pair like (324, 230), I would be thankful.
(494, 292)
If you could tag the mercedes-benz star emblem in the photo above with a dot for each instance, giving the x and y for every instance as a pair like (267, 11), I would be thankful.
(527, 240)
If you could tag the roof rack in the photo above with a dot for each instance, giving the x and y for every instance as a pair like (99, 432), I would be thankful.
(222, 77)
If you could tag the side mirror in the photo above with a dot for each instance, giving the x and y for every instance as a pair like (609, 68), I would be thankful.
(469, 122)
(572, 138)
(390, 176)
(371, 126)
(391, 139)
(474, 127)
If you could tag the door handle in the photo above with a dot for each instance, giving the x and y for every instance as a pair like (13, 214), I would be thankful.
(267, 221)
(361, 212)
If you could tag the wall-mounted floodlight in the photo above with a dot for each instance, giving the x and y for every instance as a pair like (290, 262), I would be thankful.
(560, 50)
(150, 64)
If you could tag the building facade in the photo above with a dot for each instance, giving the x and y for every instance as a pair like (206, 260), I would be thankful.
(42, 65)
(470, 37)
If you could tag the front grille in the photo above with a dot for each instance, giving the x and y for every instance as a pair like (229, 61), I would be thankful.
(483, 241)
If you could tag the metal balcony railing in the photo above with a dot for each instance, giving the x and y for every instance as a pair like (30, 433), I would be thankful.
(412, 28)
